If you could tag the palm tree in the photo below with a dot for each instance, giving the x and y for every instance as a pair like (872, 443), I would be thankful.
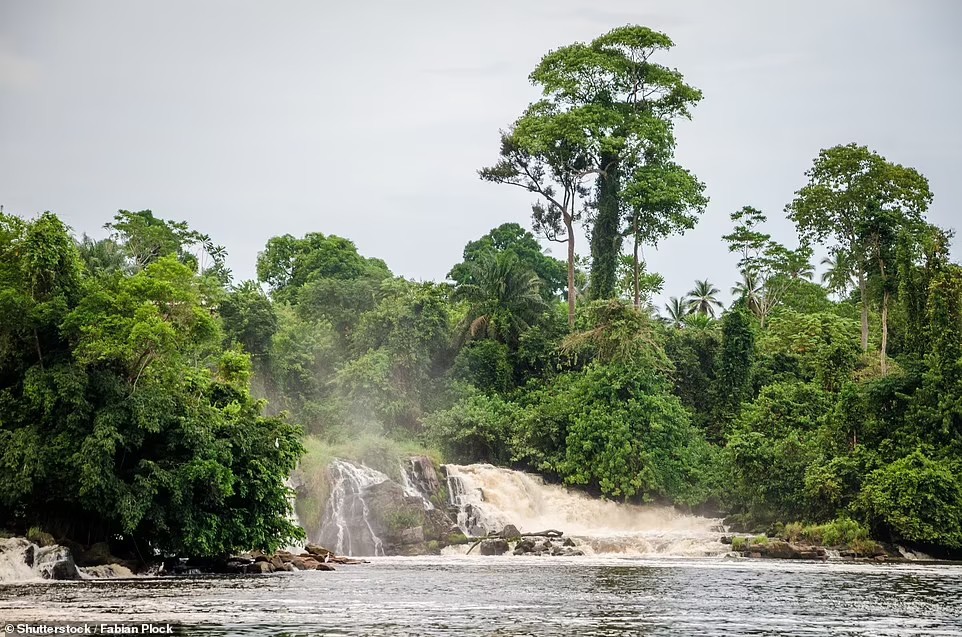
(703, 299)
(838, 275)
(677, 310)
(750, 290)
(503, 299)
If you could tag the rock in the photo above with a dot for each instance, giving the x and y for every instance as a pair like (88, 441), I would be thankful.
(510, 532)
(287, 567)
(568, 542)
(754, 554)
(318, 551)
(277, 563)
(261, 558)
(413, 535)
(285, 556)
(726, 539)
(779, 550)
(108, 570)
(298, 563)
(97, 555)
(55, 562)
(322, 566)
(524, 546)
(259, 567)
(425, 477)
(494, 547)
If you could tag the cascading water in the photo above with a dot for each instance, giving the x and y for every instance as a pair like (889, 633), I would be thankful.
(488, 498)
(346, 526)
(410, 490)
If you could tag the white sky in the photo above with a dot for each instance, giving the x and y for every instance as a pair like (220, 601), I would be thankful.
(369, 119)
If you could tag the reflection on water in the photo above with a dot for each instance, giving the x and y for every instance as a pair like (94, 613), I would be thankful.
(524, 596)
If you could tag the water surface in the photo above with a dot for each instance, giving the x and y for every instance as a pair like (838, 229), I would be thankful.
(459, 595)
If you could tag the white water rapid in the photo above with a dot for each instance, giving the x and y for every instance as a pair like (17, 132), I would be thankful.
(346, 527)
(488, 498)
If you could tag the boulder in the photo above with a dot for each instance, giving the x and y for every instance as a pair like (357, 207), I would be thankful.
(510, 532)
(494, 547)
(413, 535)
(322, 566)
(108, 570)
(425, 476)
(55, 562)
(259, 567)
(779, 550)
(318, 551)
(568, 542)
(524, 546)
(277, 563)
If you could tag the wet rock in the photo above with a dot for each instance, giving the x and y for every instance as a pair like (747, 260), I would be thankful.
(726, 539)
(425, 476)
(277, 563)
(323, 566)
(568, 542)
(55, 562)
(524, 546)
(510, 532)
(494, 547)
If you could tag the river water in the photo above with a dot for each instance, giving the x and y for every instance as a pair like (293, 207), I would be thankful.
(473, 595)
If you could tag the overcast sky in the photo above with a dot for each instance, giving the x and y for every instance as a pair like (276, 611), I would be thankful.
(370, 119)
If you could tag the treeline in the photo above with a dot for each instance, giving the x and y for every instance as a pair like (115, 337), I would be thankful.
(129, 366)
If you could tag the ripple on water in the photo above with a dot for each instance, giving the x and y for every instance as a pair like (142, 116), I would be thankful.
(519, 596)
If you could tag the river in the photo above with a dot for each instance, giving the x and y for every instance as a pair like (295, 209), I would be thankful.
(473, 595)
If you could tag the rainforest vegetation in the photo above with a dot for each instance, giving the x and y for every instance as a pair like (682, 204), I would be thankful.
(146, 395)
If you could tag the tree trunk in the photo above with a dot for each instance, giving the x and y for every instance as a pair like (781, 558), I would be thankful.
(885, 332)
(863, 291)
(605, 235)
(637, 269)
(571, 274)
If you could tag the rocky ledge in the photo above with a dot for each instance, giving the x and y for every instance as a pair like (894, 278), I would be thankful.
(762, 547)
(550, 542)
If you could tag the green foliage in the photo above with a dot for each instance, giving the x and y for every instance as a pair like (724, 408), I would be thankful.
(825, 345)
(122, 414)
(512, 238)
(249, 319)
(915, 499)
(485, 364)
(732, 371)
(476, 429)
(503, 298)
(771, 446)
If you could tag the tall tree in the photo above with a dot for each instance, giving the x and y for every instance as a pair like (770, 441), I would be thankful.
(548, 152)
(769, 265)
(661, 199)
(846, 186)
(636, 100)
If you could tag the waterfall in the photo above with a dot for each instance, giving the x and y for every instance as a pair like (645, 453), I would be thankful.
(410, 490)
(346, 526)
(487, 498)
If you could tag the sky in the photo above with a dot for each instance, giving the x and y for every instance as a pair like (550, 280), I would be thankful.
(369, 120)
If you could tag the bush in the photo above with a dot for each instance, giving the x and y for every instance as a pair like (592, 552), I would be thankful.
(915, 499)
